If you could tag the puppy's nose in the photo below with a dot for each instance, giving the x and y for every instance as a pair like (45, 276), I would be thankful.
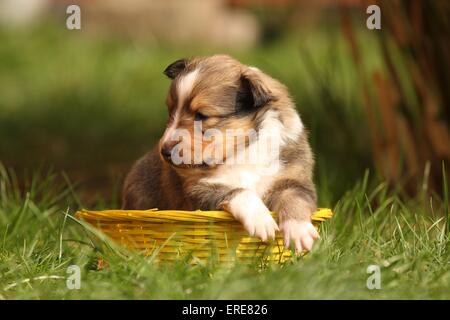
(166, 151)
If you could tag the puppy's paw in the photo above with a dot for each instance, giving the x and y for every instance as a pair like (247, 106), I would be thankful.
(260, 224)
(249, 209)
(301, 233)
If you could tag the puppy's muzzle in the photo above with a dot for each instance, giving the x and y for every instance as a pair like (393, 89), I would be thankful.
(166, 150)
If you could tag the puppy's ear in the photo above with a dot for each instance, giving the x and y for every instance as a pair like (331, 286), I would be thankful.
(174, 69)
(254, 84)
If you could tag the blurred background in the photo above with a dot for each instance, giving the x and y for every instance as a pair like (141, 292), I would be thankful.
(89, 102)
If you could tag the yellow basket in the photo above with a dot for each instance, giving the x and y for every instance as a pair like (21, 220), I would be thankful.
(201, 234)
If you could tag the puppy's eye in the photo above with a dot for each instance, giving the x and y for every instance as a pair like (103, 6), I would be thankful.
(200, 116)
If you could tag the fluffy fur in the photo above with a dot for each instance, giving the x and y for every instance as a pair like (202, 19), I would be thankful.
(224, 94)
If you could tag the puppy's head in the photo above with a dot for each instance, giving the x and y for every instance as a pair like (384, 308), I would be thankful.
(211, 95)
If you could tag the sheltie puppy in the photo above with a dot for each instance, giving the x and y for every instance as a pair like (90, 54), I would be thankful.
(235, 142)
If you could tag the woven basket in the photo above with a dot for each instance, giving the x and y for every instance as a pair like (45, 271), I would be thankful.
(201, 234)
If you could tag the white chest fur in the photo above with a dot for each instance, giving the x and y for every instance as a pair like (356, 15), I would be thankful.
(252, 177)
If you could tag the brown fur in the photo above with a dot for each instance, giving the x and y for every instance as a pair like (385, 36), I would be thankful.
(231, 95)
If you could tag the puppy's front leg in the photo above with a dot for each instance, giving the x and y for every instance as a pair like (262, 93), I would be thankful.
(295, 202)
(244, 204)
(249, 209)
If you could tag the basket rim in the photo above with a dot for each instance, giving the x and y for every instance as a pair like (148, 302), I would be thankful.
(155, 215)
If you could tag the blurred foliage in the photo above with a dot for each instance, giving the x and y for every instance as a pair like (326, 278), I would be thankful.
(91, 104)
(407, 102)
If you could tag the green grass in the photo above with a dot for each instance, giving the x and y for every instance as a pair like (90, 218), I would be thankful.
(39, 239)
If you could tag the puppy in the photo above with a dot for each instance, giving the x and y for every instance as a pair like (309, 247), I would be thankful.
(192, 168)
